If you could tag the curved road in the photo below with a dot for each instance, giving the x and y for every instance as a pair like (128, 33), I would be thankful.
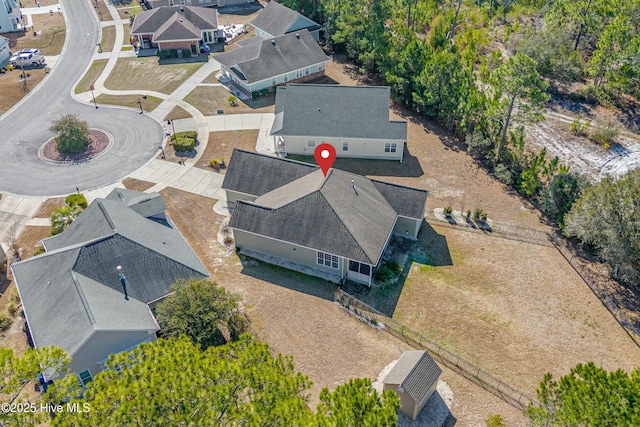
(24, 129)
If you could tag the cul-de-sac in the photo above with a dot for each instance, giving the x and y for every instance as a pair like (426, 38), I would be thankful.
(321, 213)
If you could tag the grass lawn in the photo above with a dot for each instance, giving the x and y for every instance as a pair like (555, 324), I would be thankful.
(146, 73)
(221, 145)
(108, 38)
(101, 10)
(91, 76)
(48, 206)
(517, 310)
(177, 113)
(211, 78)
(148, 104)
(127, 12)
(12, 87)
(137, 184)
(208, 99)
(50, 38)
(127, 35)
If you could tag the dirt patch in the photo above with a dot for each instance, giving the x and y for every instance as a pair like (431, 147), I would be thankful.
(98, 142)
(12, 86)
(210, 99)
(211, 78)
(177, 113)
(48, 206)
(221, 145)
(146, 74)
(108, 38)
(137, 184)
(501, 305)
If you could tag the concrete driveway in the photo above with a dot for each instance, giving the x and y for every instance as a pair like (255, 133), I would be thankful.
(25, 128)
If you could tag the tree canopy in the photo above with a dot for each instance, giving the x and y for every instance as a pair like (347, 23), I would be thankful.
(72, 134)
(199, 309)
(174, 382)
(588, 397)
(607, 216)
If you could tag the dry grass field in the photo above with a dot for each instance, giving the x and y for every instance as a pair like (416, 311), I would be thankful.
(149, 104)
(108, 38)
(209, 99)
(146, 74)
(177, 113)
(96, 68)
(221, 145)
(12, 86)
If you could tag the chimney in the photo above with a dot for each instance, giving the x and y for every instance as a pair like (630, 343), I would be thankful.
(353, 185)
(273, 42)
(297, 36)
(123, 281)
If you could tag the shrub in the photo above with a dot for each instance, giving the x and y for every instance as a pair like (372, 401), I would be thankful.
(5, 322)
(605, 132)
(39, 251)
(255, 95)
(264, 92)
(186, 134)
(483, 216)
(228, 240)
(477, 213)
(186, 53)
(580, 128)
(383, 273)
(233, 100)
(12, 308)
(173, 53)
(213, 163)
(184, 145)
(162, 54)
(394, 266)
(503, 174)
(76, 200)
(221, 161)
(495, 421)
(469, 214)
(447, 211)
(72, 134)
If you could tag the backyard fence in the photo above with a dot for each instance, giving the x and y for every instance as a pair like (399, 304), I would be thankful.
(598, 290)
(512, 396)
(548, 239)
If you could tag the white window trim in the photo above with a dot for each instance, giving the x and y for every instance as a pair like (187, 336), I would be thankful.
(345, 146)
(311, 143)
(333, 260)
(390, 147)
(84, 384)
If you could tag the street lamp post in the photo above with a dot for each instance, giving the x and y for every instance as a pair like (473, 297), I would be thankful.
(93, 95)
(170, 122)
(162, 149)
(24, 80)
(140, 105)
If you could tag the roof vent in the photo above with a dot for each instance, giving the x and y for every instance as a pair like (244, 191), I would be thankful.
(353, 185)
(297, 35)
(179, 20)
(182, 9)
(123, 281)
(273, 42)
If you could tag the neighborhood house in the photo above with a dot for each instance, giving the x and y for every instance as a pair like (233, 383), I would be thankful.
(354, 119)
(336, 226)
(90, 293)
(263, 64)
(276, 20)
(207, 3)
(177, 27)
(10, 16)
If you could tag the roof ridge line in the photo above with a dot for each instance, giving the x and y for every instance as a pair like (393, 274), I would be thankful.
(398, 185)
(85, 303)
(106, 215)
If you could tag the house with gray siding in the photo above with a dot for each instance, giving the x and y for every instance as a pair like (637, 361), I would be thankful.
(414, 377)
(10, 16)
(90, 292)
(353, 119)
(276, 20)
(205, 3)
(266, 63)
(336, 226)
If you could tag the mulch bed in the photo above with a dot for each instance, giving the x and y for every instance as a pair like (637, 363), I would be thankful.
(98, 142)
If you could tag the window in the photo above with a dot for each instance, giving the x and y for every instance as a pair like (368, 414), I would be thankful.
(311, 143)
(345, 146)
(390, 147)
(306, 71)
(358, 267)
(85, 377)
(327, 260)
(286, 78)
(320, 67)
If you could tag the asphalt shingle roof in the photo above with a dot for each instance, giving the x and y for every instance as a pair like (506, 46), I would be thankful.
(146, 204)
(406, 201)
(262, 60)
(416, 372)
(170, 23)
(336, 111)
(276, 19)
(74, 288)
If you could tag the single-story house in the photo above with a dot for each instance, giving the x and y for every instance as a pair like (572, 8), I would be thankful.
(414, 377)
(268, 63)
(5, 51)
(336, 226)
(206, 3)
(90, 293)
(354, 119)
(276, 20)
(10, 16)
(177, 27)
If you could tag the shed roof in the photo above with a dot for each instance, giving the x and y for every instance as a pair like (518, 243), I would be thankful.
(415, 372)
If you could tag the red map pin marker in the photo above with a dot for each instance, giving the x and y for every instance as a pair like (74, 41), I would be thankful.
(325, 155)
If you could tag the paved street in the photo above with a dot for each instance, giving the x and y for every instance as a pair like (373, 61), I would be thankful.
(25, 128)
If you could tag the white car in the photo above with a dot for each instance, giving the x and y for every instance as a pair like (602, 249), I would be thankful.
(27, 59)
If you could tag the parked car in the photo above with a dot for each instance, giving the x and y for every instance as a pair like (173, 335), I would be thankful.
(27, 59)
(31, 50)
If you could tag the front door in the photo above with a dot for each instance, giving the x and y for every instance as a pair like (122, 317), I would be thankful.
(194, 49)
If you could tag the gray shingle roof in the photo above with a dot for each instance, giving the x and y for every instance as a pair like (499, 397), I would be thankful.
(406, 201)
(325, 214)
(416, 372)
(166, 21)
(280, 55)
(146, 204)
(253, 173)
(73, 289)
(276, 19)
(336, 111)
